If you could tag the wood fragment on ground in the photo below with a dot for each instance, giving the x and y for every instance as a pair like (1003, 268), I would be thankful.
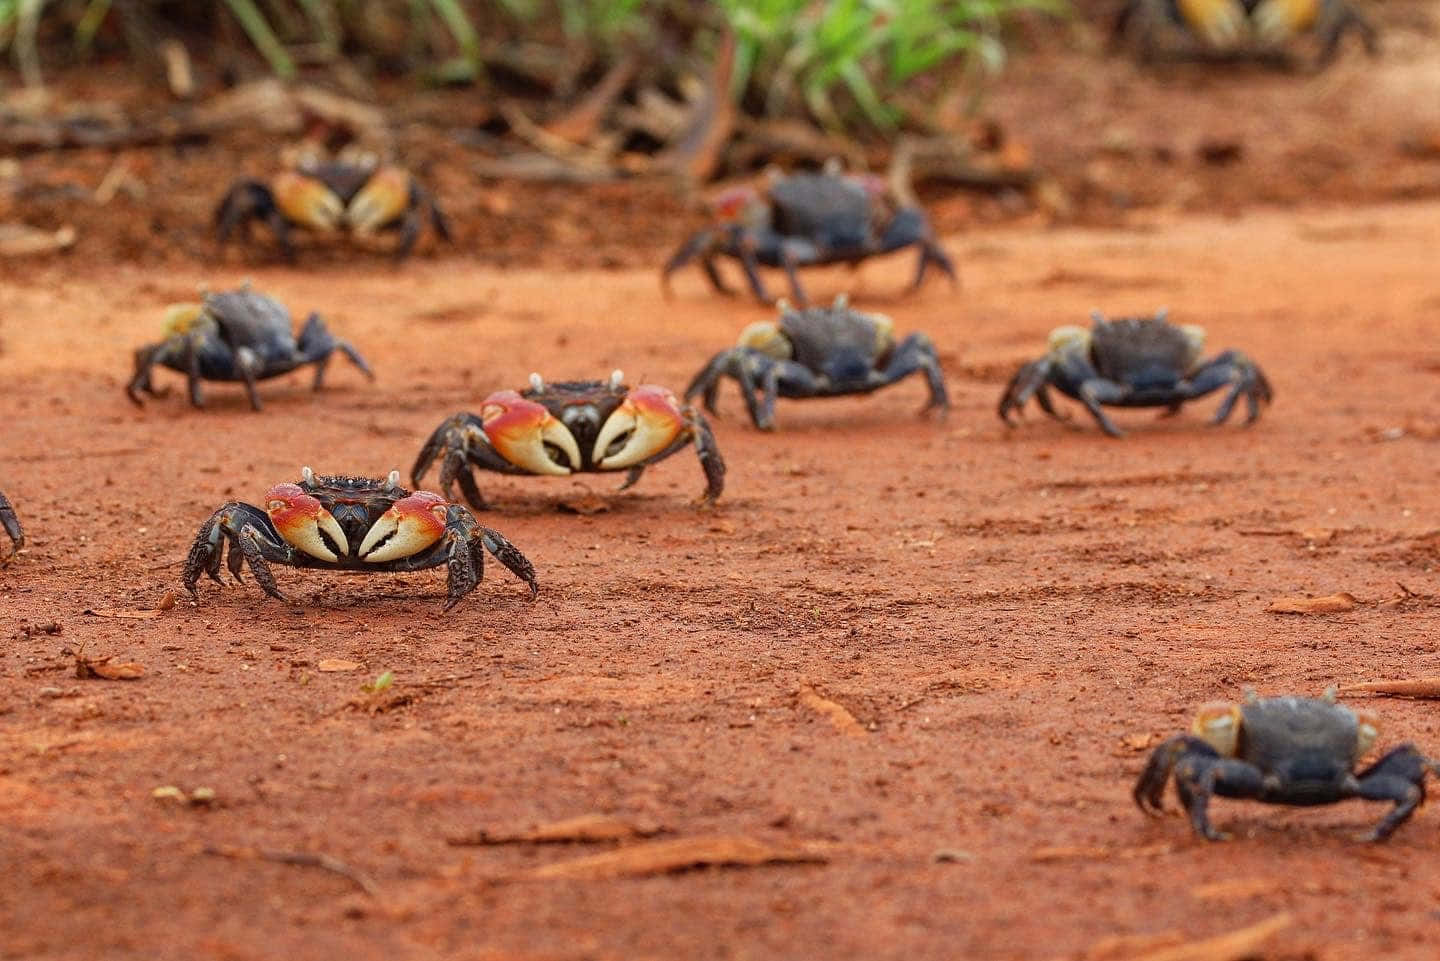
(1235, 946)
(1329, 604)
(683, 854)
(842, 720)
(586, 828)
(1413, 687)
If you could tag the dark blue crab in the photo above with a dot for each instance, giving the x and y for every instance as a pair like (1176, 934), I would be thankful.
(237, 335)
(1134, 362)
(819, 352)
(804, 219)
(1282, 750)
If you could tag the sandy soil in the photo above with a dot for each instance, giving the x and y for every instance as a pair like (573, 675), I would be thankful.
(1011, 616)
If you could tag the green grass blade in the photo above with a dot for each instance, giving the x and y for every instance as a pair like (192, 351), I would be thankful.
(258, 29)
(89, 25)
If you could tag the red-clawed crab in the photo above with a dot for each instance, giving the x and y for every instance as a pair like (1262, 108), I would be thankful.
(1283, 750)
(1134, 362)
(804, 219)
(11, 523)
(819, 352)
(567, 427)
(236, 335)
(360, 197)
(1227, 31)
(355, 524)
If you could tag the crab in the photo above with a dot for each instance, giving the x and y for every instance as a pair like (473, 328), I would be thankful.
(804, 219)
(11, 523)
(567, 427)
(357, 524)
(819, 352)
(1232, 30)
(1283, 750)
(236, 335)
(1134, 362)
(361, 197)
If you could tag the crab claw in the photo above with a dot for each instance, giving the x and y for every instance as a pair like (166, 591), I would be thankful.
(525, 434)
(301, 519)
(307, 201)
(410, 525)
(381, 201)
(647, 422)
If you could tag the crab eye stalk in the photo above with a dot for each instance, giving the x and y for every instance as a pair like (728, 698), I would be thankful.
(307, 201)
(1218, 725)
(646, 422)
(528, 436)
(1367, 731)
(304, 523)
(410, 525)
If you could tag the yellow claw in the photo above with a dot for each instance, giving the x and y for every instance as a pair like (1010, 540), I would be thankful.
(301, 519)
(1278, 20)
(410, 525)
(1218, 725)
(381, 201)
(767, 338)
(646, 422)
(307, 201)
(1067, 338)
(1219, 23)
(181, 318)
(521, 429)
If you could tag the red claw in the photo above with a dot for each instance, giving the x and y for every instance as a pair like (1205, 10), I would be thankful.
(300, 518)
(411, 524)
(647, 422)
(520, 429)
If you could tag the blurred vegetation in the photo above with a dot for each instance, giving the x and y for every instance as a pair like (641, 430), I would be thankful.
(839, 62)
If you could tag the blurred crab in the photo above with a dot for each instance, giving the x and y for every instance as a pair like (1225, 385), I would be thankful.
(808, 218)
(11, 523)
(1283, 750)
(1233, 30)
(567, 427)
(1134, 362)
(819, 352)
(236, 335)
(354, 524)
(362, 197)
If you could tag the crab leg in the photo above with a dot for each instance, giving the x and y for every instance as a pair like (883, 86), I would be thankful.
(1096, 391)
(1028, 382)
(1399, 776)
(11, 523)
(916, 353)
(140, 382)
(316, 344)
(1237, 370)
(251, 537)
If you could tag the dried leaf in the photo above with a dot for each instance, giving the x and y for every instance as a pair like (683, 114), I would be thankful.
(100, 668)
(1121, 947)
(333, 665)
(1069, 852)
(1235, 946)
(1138, 742)
(1415, 687)
(664, 857)
(842, 719)
(128, 614)
(1329, 604)
(585, 828)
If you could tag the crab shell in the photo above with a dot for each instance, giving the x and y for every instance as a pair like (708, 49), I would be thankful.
(1220, 724)
(646, 422)
(409, 526)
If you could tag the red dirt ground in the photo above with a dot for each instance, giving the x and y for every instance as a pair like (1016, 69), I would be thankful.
(1011, 616)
